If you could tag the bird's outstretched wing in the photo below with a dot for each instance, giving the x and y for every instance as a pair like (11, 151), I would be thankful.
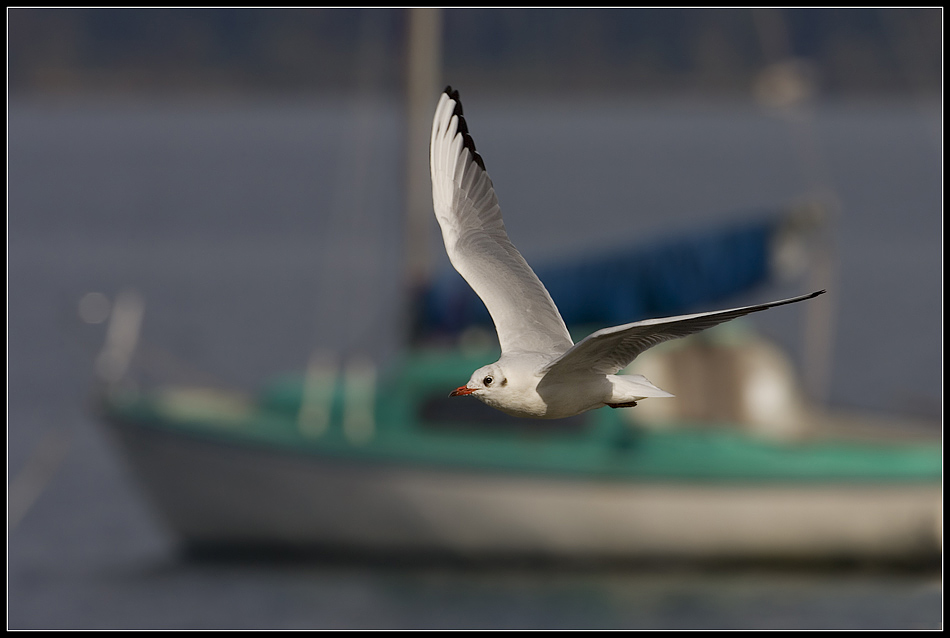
(609, 350)
(525, 316)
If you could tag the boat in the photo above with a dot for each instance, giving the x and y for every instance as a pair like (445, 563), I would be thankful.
(397, 467)
(342, 458)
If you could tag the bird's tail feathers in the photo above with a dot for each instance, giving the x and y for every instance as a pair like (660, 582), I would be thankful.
(633, 387)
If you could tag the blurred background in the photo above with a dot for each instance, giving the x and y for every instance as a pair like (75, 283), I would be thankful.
(251, 173)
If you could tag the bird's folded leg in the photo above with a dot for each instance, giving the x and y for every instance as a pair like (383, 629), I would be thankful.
(628, 404)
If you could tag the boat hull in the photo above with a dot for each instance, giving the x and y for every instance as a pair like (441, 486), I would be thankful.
(215, 495)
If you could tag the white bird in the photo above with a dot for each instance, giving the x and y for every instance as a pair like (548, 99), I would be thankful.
(542, 373)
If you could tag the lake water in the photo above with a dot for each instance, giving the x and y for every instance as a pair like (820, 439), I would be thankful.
(259, 231)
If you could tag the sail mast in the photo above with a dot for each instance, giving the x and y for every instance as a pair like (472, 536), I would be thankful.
(423, 75)
(424, 72)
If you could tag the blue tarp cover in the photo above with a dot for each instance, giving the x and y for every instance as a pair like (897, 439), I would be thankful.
(676, 276)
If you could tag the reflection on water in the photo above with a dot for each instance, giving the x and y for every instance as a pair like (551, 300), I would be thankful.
(338, 595)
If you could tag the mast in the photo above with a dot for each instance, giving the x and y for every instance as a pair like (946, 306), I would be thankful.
(423, 74)
(785, 85)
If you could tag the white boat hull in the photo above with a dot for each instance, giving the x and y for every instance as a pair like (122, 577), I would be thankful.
(213, 494)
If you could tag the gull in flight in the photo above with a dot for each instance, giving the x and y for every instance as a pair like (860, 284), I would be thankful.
(542, 373)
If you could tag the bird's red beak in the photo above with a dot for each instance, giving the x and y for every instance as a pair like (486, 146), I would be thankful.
(461, 391)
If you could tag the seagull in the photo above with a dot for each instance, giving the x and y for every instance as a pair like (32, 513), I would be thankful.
(542, 373)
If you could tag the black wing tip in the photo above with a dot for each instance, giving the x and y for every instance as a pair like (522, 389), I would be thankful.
(800, 298)
(469, 143)
(467, 140)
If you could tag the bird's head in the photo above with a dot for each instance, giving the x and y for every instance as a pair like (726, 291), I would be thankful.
(486, 382)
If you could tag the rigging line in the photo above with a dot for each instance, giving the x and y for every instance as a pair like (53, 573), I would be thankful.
(37, 473)
(351, 269)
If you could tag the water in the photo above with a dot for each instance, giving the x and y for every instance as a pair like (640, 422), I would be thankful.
(260, 231)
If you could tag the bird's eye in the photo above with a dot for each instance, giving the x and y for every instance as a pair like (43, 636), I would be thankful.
(487, 380)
